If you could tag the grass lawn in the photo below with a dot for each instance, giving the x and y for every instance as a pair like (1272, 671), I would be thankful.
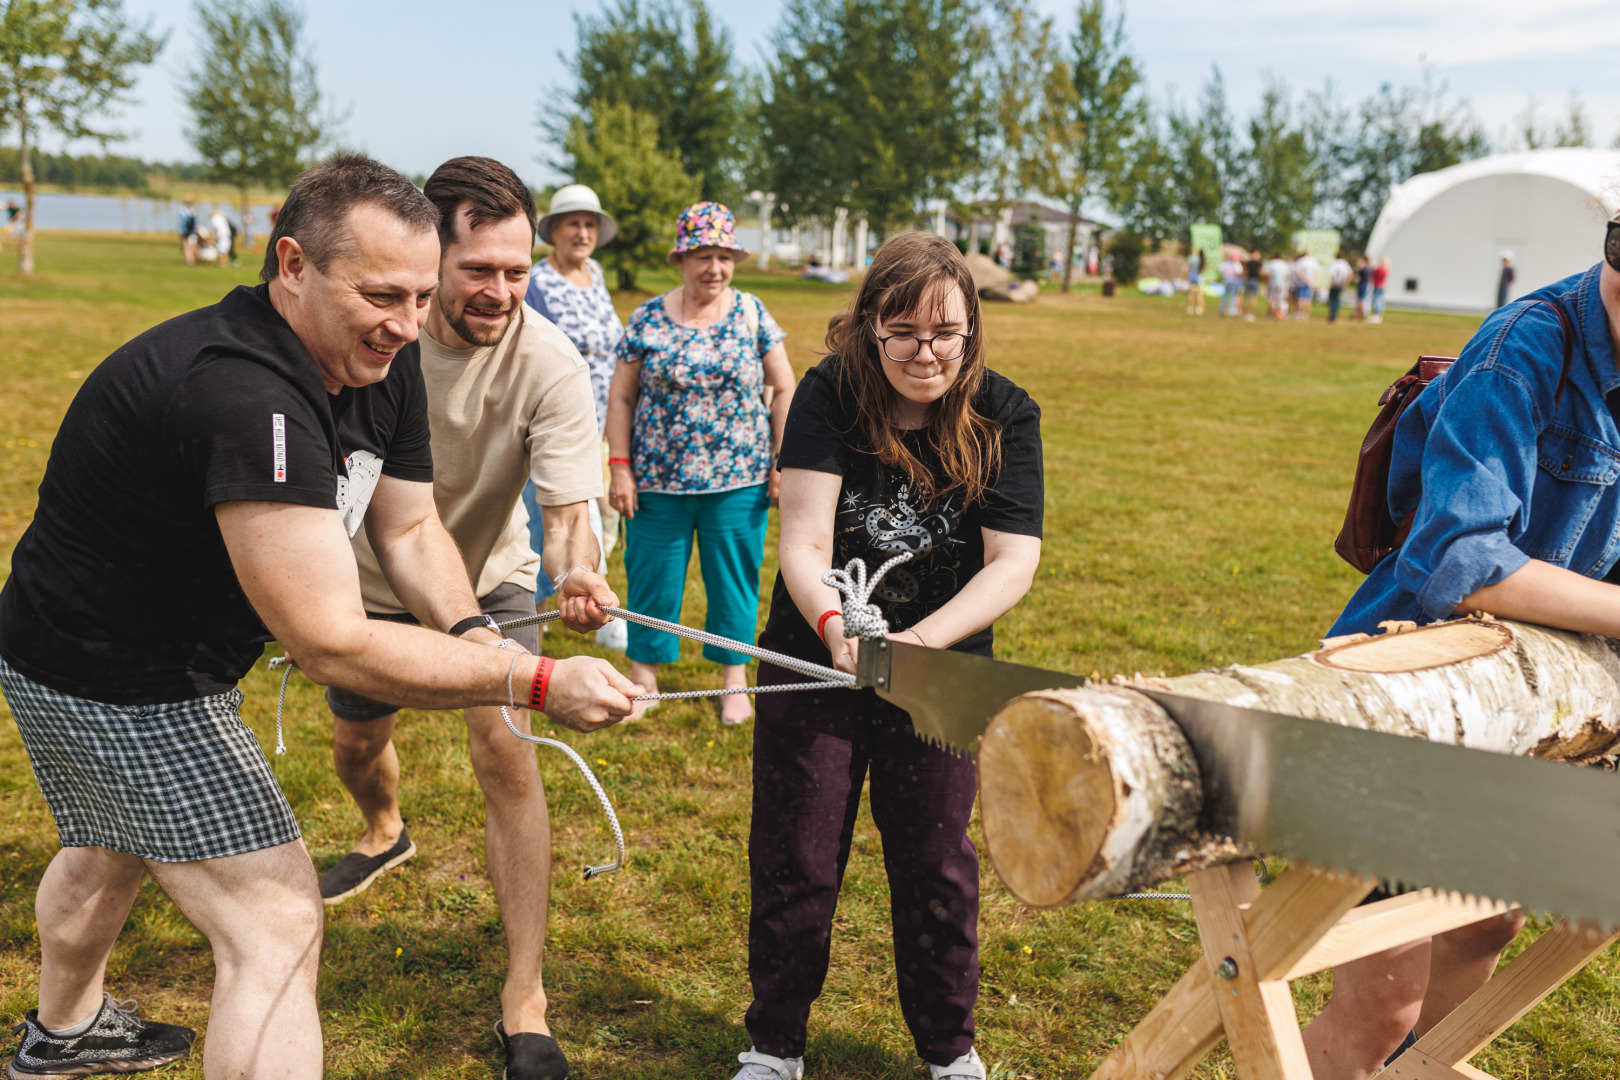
(1196, 475)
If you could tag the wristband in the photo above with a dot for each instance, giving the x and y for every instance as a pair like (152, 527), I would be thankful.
(618, 461)
(472, 622)
(821, 623)
(542, 680)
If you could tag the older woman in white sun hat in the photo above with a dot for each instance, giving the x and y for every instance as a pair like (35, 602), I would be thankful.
(568, 287)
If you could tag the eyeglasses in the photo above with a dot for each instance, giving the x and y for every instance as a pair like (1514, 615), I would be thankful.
(1611, 245)
(902, 348)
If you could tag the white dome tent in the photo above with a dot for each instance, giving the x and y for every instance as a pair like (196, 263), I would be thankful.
(1445, 232)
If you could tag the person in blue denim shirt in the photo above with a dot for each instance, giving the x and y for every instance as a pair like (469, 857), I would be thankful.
(1518, 514)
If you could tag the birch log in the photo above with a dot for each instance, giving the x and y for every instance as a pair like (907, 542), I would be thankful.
(1090, 792)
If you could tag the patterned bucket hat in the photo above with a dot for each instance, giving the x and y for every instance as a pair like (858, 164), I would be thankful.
(706, 224)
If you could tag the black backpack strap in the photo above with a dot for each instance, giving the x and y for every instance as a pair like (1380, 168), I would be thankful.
(1569, 344)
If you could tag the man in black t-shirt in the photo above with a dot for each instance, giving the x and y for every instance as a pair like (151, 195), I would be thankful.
(235, 450)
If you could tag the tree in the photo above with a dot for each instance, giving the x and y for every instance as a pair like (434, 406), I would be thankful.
(255, 105)
(617, 153)
(672, 61)
(1088, 127)
(62, 64)
(1278, 190)
(1390, 137)
(1017, 63)
(873, 105)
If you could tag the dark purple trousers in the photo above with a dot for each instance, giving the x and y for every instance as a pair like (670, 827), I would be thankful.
(812, 750)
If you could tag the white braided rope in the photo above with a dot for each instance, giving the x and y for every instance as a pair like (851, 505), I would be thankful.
(827, 678)
(596, 787)
(862, 618)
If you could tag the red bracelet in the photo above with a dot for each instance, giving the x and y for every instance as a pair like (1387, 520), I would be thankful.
(542, 679)
(821, 623)
(618, 461)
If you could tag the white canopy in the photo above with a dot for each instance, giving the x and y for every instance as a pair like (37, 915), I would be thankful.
(1445, 232)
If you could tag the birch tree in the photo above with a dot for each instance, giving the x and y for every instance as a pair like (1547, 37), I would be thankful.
(63, 65)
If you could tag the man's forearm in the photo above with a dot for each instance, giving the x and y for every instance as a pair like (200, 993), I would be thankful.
(425, 570)
(569, 540)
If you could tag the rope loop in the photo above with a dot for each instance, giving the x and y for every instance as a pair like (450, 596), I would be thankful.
(862, 618)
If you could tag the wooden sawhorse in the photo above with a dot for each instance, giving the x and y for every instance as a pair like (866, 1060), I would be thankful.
(1256, 941)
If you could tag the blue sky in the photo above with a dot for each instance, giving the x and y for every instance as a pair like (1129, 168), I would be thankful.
(422, 82)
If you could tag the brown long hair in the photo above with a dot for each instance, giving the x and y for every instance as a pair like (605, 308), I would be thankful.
(910, 270)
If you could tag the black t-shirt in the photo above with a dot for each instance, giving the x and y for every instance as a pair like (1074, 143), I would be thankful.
(1251, 269)
(878, 516)
(121, 590)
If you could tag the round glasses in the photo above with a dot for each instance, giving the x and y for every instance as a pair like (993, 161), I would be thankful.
(902, 348)
(1611, 245)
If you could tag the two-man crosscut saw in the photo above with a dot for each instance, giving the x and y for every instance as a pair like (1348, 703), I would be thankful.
(1536, 833)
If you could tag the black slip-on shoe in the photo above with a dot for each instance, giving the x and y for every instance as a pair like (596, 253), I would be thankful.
(355, 872)
(117, 1042)
(1406, 1044)
(531, 1056)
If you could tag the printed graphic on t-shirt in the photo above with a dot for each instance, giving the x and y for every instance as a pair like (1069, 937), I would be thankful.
(877, 525)
(355, 490)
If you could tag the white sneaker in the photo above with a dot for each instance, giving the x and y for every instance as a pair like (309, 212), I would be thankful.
(758, 1066)
(967, 1067)
(615, 635)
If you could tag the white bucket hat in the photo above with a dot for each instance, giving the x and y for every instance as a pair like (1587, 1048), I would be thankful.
(575, 199)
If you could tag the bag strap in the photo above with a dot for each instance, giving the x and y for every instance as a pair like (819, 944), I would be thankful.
(1569, 345)
(750, 306)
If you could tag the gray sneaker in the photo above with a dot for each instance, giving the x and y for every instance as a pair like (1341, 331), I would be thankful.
(355, 872)
(117, 1042)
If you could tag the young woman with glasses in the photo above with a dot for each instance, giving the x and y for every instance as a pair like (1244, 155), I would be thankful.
(900, 440)
(1509, 468)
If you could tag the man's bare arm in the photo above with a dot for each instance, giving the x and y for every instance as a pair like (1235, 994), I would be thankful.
(298, 571)
(570, 544)
(419, 557)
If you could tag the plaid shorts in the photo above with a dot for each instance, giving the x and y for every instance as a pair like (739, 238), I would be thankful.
(171, 783)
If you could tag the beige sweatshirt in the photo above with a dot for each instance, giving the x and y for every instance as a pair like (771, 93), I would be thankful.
(500, 415)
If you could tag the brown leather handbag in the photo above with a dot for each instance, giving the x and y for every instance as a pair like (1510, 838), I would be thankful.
(1370, 532)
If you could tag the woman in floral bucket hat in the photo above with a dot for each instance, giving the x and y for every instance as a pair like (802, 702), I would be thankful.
(690, 431)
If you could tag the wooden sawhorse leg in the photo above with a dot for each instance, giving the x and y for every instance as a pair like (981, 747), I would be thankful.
(1256, 942)
(1516, 989)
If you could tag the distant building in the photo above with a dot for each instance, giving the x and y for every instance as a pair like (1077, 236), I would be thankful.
(1445, 232)
(981, 225)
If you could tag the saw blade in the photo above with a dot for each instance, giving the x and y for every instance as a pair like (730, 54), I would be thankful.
(1541, 834)
(951, 696)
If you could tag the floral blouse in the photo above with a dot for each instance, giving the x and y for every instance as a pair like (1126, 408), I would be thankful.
(700, 425)
(586, 316)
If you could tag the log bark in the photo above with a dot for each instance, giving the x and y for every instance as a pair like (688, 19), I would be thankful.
(1090, 792)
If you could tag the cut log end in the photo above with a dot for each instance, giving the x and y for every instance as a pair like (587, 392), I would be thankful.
(1048, 797)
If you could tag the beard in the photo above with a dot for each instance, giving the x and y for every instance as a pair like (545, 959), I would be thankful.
(481, 338)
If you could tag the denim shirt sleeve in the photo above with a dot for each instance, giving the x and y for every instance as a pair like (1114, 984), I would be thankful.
(1479, 463)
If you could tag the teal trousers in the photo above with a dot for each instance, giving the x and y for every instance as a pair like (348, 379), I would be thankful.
(730, 531)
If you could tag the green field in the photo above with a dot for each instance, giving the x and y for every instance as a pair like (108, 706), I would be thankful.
(1196, 472)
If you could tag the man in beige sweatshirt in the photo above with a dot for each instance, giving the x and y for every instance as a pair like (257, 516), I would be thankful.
(509, 398)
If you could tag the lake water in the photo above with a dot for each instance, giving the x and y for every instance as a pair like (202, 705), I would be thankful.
(140, 214)
(125, 213)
